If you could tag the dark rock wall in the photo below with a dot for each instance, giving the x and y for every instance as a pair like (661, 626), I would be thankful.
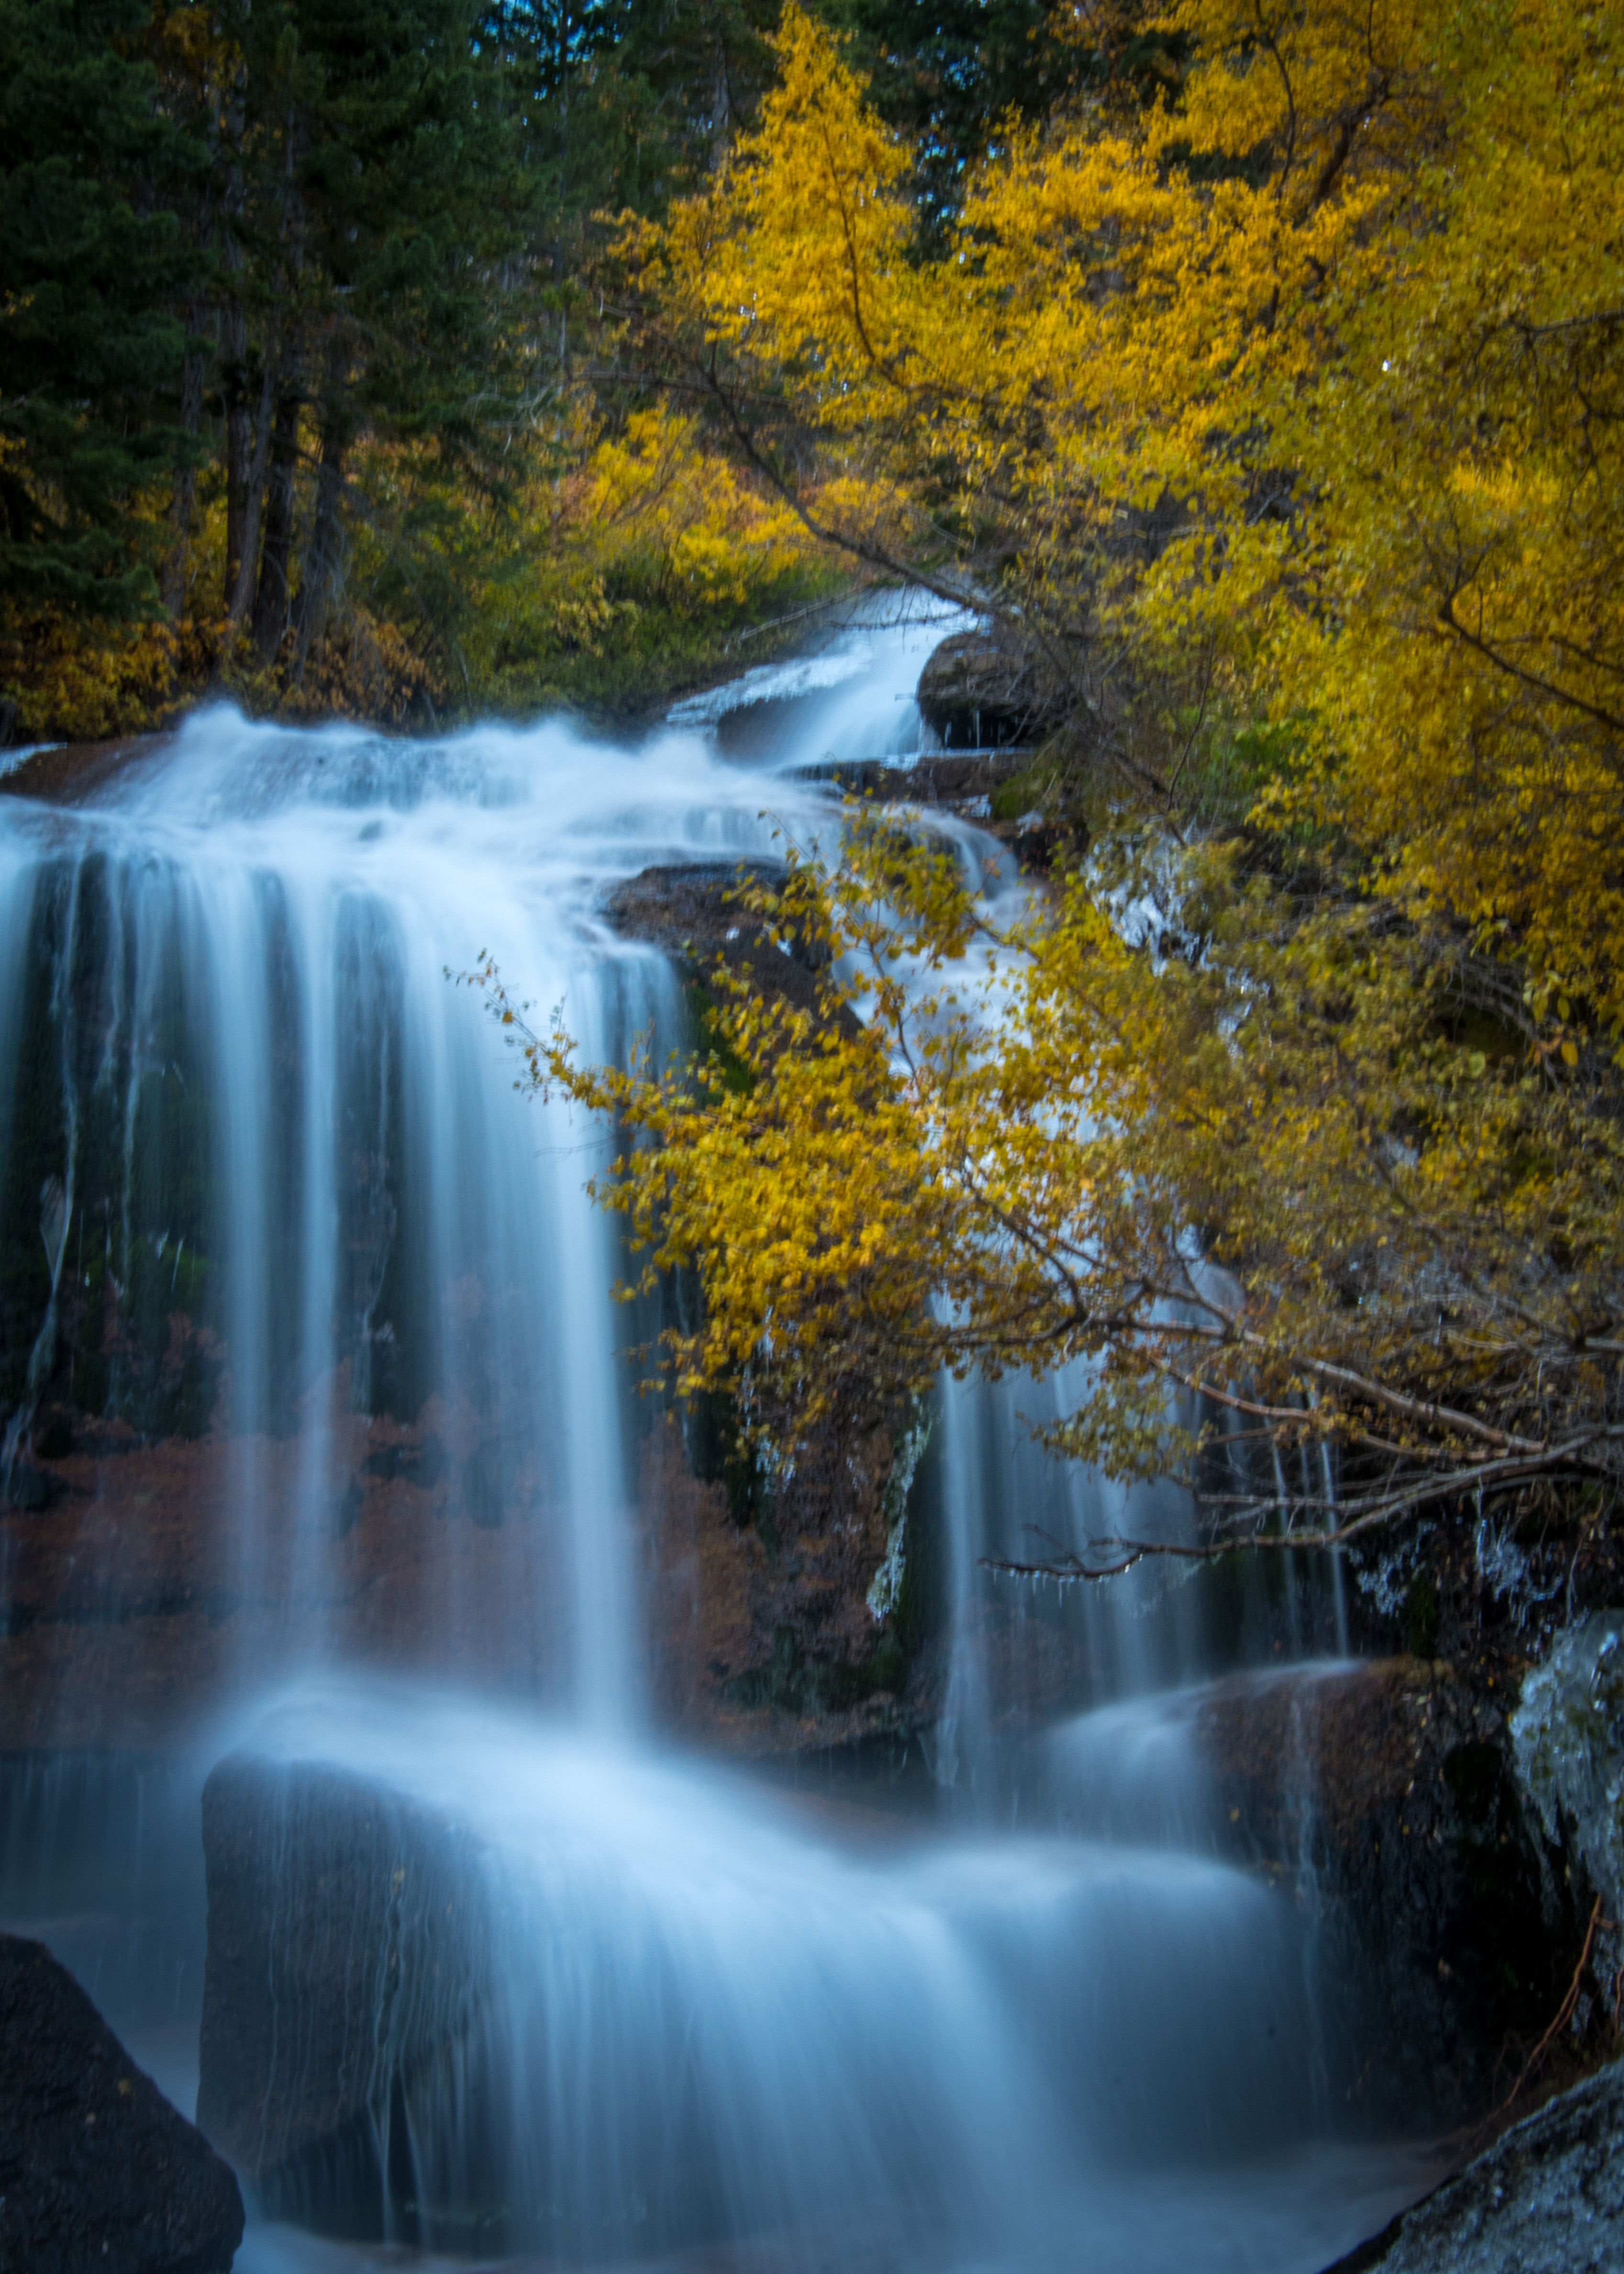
(1446, 1932)
(761, 1633)
(761, 1639)
(130, 1599)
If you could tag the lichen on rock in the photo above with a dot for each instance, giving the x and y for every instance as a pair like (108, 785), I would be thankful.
(1568, 1733)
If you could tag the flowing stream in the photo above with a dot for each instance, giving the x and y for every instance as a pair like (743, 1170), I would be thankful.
(296, 1229)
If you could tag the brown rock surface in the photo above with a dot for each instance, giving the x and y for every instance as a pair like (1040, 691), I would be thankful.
(761, 1633)
(141, 1599)
(68, 772)
(146, 1594)
(692, 912)
(761, 1639)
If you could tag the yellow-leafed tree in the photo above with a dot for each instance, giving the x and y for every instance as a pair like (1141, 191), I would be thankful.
(1285, 425)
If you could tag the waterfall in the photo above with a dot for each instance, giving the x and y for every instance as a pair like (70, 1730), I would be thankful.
(260, 1108)
(316, 1305)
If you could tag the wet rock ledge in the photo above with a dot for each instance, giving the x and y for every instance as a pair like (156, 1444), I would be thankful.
(691, 911)
(97, 2171)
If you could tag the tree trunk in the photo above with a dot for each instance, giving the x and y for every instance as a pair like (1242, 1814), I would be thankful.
(234, 348)
(183, 498)
(275, 460)
(241, 591)
(273, 598)
(274, 594)
(321, 575)
(181, 504)
(239, 439)
(240, 433)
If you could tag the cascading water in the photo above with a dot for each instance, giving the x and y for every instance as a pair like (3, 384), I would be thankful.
(334, 1321)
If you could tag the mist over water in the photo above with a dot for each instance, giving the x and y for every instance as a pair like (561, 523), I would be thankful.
(1046, 2026)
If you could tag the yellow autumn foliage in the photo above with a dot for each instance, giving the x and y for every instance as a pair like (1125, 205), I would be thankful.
(1286, 422)
(654, 491)
(1347, 322)
(1261, 1173)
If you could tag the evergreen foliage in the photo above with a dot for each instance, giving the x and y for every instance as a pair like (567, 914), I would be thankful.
(93, 267)
(298, 334)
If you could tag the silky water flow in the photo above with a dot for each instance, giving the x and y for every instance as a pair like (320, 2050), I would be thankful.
(1041, 2026)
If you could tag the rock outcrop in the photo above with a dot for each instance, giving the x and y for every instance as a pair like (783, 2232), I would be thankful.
(1547, 2198)
(1568, 1733)
(67, 773)
(982, 690)
(131, 1614)
(97, 2170)
(691, 911)
(961, 782)
(1386, 1789)
(762, 1641)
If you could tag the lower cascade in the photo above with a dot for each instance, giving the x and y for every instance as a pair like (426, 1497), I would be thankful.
(593, 1873)
(607, 2003)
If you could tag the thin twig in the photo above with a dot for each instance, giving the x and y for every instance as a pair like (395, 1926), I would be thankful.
(1564, 2013)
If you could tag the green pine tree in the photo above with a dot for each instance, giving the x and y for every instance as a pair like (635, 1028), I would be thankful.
(95, 272)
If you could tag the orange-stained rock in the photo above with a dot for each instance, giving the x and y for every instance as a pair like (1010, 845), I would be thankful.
(152, 1590)
(764, 1648)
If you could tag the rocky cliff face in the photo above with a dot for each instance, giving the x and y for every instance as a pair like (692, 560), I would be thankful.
(133, 1604)
(762, 1637)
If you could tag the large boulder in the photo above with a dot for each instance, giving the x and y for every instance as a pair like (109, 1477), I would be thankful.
(985, 690)
(1547, 2198)
(347, 1956)
(97, 2170)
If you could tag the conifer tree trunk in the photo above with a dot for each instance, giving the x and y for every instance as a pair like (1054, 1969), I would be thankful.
(173, 587)
(279, 457)
(233, 353)
(183, 497)
(239, 442)
(273, 595)
(240, 593)
(321, 573)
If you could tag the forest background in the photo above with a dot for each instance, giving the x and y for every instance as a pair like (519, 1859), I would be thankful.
(316, 379)
(1256, 370)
